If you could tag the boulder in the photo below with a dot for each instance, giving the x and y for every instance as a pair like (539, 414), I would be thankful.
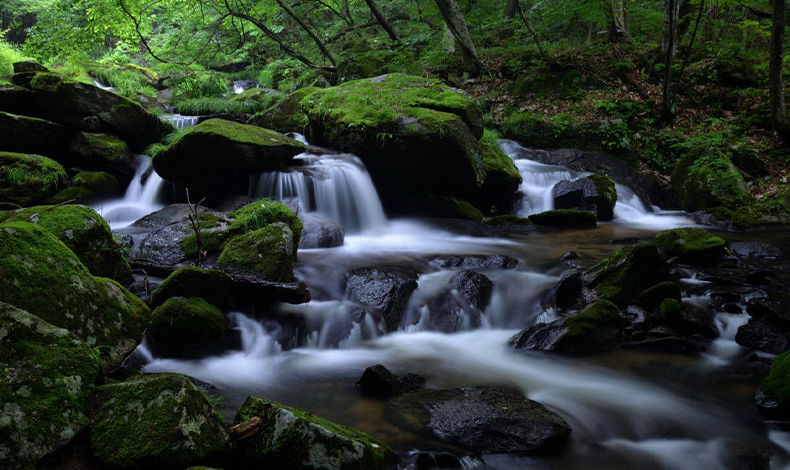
(180, 325)
(437, 205)
(87, 186)
(284, 437)
(702, 181)
(502, 178)
(103, 152)
(319, 232)
(652, 297)
(565, 218)
(154, 421)
(46, 381)
(568, 289)
(217, 154)
(757, 250)
(474, 288)
(85, 233)
(33, 135)
(773, 396)
(268, 252)
(25, 66)
(690, 245)
(482, 419)
(286, 115)
(771, 210)
(594, 193)
(621, 277)
(481, 262)
(14, 99)
(27, 179)
(40, 274)
(379, 381)
(761, 336)
(191, 281)
(597, 327)
(387, 289)
(261, 213)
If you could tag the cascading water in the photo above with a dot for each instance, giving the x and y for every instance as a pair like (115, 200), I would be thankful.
(103, 86)
(141, 198)
(181, 122)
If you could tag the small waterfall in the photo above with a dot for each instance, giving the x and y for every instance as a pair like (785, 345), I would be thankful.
(238, 88)
(103, 86)
(336, 186)
(179, 121)
(538, 181)
(255, 341)
(140, 199)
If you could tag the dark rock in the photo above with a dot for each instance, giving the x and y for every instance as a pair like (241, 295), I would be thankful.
(773, 309)
(732, 308)
(761, 336)
(652, 297)
(594, 193)
(191, 281)
(481, 262)
(28, 66)
(379, 381)
(625, 274)
(569, 218)
(668, 344)
(432, 461)
(482, 419)
(387, 289)
(749, 161)
(568, 289)
(757, 250)
(474, 287)
(103, 152)
(569, 255)
(319, 232)
(32, 135)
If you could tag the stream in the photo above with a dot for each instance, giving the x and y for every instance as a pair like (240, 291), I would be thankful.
(627, 408)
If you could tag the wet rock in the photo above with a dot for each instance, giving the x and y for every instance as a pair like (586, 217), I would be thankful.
(594, 193)
(48, 377)
(481, 262)
(705, 179)
(37, 178)
(568, 289)
(483, 419)
(267, 253)
(569, 255)
(690, 320)
(690, 245)
(154, 421)
(732, 308)
(449, 314)
(284, 437)
(32, 135)
(652, 297)
(565, 218)
(191, 281)
(180, 326)
(474, 287)
(773, 396)
(103, 152)
(625, 274)
(668, 344)
(379, 381)
(774, 309)
(387, 289)
(85, 187)
(757, 250)
(432, 461)
(762, 336)
(319, 232)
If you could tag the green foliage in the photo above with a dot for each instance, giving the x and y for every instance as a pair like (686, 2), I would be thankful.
(201, 85)
(9, 54)
(216, 105)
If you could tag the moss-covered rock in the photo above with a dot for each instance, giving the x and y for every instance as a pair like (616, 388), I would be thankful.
(773, 396)
(621, 277)
(701, 181)
(191, 281)
(32, 135)
(671, 311)
(27, 179)
(501, 220)
(595, 193)
(293, 439)
(565, 218)
(156, 421)
(40, 274)
(47, 376)
(267, 252)
(415, 135)
(85, 233)
(261, 213)
(286, 115)
(217, 153)
(102, 152)
(87, 186)
(771, 210)
(652, 297)
(502, 177)
(566, 131)
(690, 244)
(182, 322)
(437, 205)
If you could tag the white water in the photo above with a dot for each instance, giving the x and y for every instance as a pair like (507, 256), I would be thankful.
(103, 86)
(140, 199)
(180, 121)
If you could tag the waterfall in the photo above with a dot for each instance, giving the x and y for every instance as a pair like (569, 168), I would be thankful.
(179, 121)
(141, 198)
(336, 186)
(238, 88)
(103, 86)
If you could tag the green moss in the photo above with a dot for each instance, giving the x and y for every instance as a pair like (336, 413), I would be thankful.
(437, 205)
(621, 277)
(191, 281)
(237, 133)
(213, 242)
(148, 420)
(600, 314)
(690, 244)
(85, 233)
(565, 218)
(773, 209)
(671, 311)
(705, 178)
(508, 220)
(268, 251)
(105, 146)
(86, 186)
(25, 179)
(653, 296)
(502, 177)
(51, 82)
(606, 190)
(720, 213)
(182, 321)
(261, 213)
(287, 114)
(777, 385)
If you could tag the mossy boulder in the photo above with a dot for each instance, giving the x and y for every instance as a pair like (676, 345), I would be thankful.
(70, 102)
(541, 130)
(32, 135)
(47, 376)
(27, 179)
(216, 153)
(621, 277)
(87, 186)
(771, 210)
(506, 220)
(415, 135)
(502, 177)
(694, 245)
(773, 396)
(85, 233)
(565, 218)
(183, 322)
(596, 193)
(437, 205)
(671, 312)
(24, 66)
(192, 281)
(701, 181)
(267, 252)
(261, 213)
(156, 421)
(653, 296)
(102, 152)
(293, 439)
(286, 115)
(40, 274)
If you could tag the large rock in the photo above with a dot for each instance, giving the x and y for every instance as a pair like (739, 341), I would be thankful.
(217, 154)
(414, 135)
(268, 252)
(568, 289)
(707, 181)
(599, 326)
(387, 289)
(85, 187)
(771, 210)
(773, 396)
(85, 233)
(32, 135)
(284, 437)
(158, 421)
(569, 218)
(377, 380)
(482, 419)
(482, 262)
(181, 325)
(594, 193)
(502, 177)
(192, 281)
(40, 274)
(103, 152)
(286, 115)
(762, 336)
(475, 288)
(694, 245)
(46, 380)
(624, 275)
(28, 179)
(319, 232)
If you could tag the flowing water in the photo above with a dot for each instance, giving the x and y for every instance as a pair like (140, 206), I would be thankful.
(180, 121)
(142, 197)
(628, 409)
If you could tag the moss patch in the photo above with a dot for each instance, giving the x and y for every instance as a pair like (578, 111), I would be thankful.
(26, 179)
(671, 311)
(191, 281)
(287, 114)
(261, 213)
(653, 296)
(268, 251)
(690, 244)
(621, 277)
(586, 322)
(182, 321)
(707, 180)
(771, 210)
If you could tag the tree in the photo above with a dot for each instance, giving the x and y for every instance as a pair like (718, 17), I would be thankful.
(382, 20)
(775, 89)
(620, 26)
(669, 48)
(457, 25)
(511, 8)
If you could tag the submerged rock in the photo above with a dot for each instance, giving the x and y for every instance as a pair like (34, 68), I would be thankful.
(47, 378)
(565, 218)
(387, 289)
(192, 281)
(379, 381)
(483, 419)
(154, 421)
(691, 245)
(181, 325)
(319, 232)
(594, 193)
(35, 178)
(283, 437)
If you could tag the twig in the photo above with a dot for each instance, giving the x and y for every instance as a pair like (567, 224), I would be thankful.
(49, 209)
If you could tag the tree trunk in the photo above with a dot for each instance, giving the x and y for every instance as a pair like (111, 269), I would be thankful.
(511, 8)
(457, 25)
(535, 37)
(620, 24)
(382, 21)
(669, 48)
(347, 12)
(775, 89)
(321, 46)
